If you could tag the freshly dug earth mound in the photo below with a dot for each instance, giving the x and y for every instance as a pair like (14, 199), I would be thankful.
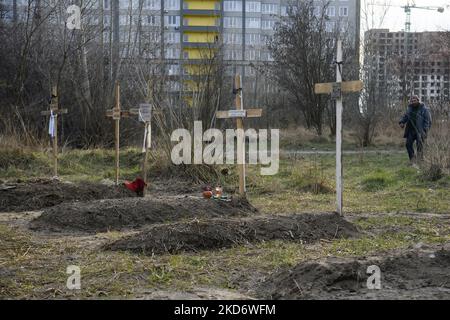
(29, 196)
(223, 233)
(118, 214)
(410, 275)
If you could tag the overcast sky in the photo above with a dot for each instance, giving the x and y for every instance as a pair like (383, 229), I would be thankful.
(421, 20)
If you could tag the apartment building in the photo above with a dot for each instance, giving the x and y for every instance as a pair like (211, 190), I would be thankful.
(409, 63)
(188, 30)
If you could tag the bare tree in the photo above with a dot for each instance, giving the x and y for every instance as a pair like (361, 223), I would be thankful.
(304, 48)
(377, 93)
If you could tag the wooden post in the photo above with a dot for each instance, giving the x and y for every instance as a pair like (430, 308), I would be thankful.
(239, 114)
(147, 146)
(145, 112)
(240, 137)
(55, 137)
(339, 107)
(116, 113)
(148, 142)
(336, 89)
(53, 112)
(117, 130)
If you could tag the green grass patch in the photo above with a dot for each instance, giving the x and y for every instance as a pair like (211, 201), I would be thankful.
(376, 181)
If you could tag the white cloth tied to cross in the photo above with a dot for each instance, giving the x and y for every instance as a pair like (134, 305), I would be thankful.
(51, 124)
(147, 138)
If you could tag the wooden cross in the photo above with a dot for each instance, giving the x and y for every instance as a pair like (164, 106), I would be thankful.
(145, 112)
(239, 114)
(336, 89)
(53, 125)
(116, 113)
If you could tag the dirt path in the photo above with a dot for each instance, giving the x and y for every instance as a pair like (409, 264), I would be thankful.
(332, 152)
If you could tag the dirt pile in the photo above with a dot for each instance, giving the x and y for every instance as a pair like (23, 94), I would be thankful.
(223, 233)
(418, 274)
(39, 194)
(117, 214)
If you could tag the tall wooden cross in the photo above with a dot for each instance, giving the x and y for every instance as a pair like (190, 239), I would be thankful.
(116, 113)
(336, 89)
(239, 114)
(53, 125)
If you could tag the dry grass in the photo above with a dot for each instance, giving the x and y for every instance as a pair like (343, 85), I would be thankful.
(436, 161)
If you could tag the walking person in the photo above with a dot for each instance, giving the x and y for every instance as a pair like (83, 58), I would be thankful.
(417, 123)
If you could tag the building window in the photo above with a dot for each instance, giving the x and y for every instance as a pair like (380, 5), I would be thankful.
(253, 6)
(124, 4)
(253, 23)
(152, 21)
(172, 21)
(267, 24)
(152, 4)
(252, 38)
(124, 20)
(172, 37)
(252, 55)
(269, 8)
(232, 22)
(331, 11)
(329, 26)
(232, 6)
(173, 69)
(171, 4)
(232, 38)
(343, 11)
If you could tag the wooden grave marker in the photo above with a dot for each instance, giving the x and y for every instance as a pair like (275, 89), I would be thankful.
(53, 126)
(145, 112)
(239, 114)
(336, 90)
(116, 114)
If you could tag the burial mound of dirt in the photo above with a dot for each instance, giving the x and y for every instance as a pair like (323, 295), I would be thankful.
(118, 214)
(417, 274)
(40, 194)
(223, 233)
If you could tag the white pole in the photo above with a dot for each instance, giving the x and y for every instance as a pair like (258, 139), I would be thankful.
(339, 108)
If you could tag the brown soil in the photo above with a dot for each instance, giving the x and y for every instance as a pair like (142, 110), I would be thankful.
(40, 194)
(222, 233)
(415, 274)
(118, 214)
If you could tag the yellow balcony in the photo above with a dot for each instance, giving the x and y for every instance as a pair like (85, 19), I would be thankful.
(198, 53)
(201, 21)
(201, 5)
(200, 37)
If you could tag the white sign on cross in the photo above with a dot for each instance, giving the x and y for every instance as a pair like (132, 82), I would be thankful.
(336, 89)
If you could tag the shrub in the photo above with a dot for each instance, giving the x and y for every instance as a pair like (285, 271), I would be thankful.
(436, 158)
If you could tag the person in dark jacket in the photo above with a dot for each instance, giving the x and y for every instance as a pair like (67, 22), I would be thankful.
(417, 123)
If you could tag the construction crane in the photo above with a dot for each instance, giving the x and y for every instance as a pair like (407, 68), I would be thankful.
(411, 5)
